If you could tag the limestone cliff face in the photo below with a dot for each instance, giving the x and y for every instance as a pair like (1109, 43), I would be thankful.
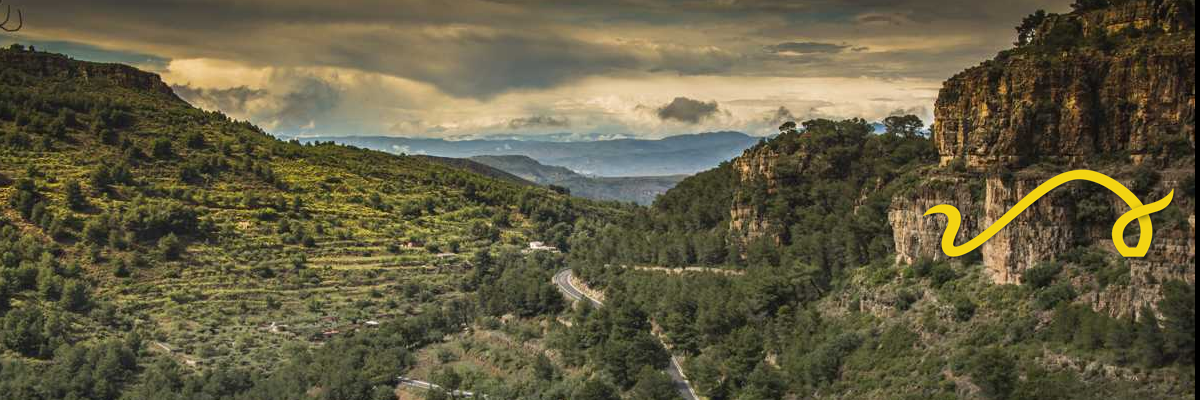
(917, 236)
(59, 66)
(1050, 227)
(1130, 102)
(1134, 96)
(755, 170)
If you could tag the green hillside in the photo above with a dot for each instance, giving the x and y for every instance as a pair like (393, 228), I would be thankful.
(814, 221)
(142, 239)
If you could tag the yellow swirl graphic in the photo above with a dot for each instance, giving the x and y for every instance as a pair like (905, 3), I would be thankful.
(1138, 211)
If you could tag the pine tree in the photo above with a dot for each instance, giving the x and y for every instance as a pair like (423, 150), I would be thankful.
(1179, 313)
(595, 390)
(1148, 348)
(653, 385)
(74, 295)
(75, 197)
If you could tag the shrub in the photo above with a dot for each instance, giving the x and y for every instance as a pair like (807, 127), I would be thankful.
(194, 140)
(995, 372)
(1041, 275)
(921, 267)
(941, 274)
(74, 194)
(905, 299)
(1050, 297)
(161, 149)
(964, 309)
(1144, 178)
(170, 247)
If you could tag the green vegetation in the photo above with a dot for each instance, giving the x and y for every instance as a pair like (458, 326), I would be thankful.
(821, 171)
(152, 250)
(822, 309)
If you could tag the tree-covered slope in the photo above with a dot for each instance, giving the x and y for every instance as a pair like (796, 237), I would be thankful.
(825, 308)
(149, 249)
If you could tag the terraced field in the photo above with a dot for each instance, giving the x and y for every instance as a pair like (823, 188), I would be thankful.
(214, 241)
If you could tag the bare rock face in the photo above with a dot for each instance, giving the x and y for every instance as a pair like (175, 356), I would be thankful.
(755, 168)
(1046, 228)
(1026, 106)
(917, 236)
(1107, 107)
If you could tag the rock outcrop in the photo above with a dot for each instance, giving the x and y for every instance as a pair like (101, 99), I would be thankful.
(58, 66)
(1133, 93)
(755, 170)
(1052, 226)
(1109, 102)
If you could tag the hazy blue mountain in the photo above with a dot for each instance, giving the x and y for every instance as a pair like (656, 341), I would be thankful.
(638, 189)
(676, 155)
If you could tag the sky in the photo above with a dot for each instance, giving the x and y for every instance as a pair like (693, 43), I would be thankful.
(579, 70)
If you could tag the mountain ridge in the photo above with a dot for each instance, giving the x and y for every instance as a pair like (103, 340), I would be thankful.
(642, 190)
(675, 155)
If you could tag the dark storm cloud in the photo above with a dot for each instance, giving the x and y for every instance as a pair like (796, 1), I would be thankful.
(683, 109)
(230, 100)
(444, 63)
(303, 101)
(890, 19)
(806, 48)
(480, 49)
(311, 98)
(467, 49)
(778, 117)
(539, 121)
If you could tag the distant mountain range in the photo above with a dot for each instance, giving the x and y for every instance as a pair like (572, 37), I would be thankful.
(638, 189)
(675, 155)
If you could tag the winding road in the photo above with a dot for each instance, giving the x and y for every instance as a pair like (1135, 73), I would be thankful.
(563, 281)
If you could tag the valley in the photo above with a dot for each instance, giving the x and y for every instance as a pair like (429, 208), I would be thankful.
(150, 249)
(640, 189)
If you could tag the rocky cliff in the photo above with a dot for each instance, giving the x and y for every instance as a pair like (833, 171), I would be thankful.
(1113, 91)
(1119, 80)
(755, 170)
(58, 66)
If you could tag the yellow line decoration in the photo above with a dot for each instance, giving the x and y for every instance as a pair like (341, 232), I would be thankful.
(1138, 211)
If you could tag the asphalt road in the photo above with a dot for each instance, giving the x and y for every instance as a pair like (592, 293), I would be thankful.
(430, 386)
(563, 281)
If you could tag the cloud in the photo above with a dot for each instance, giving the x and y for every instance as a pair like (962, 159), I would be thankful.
(296, 103)
(478, 67)
(234, 100)
(778, 117)
(893, 19)
(919, 111)
(539, 121)
(788, 48)
(686, 110)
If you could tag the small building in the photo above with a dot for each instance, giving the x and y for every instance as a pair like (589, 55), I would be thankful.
(540, 246)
